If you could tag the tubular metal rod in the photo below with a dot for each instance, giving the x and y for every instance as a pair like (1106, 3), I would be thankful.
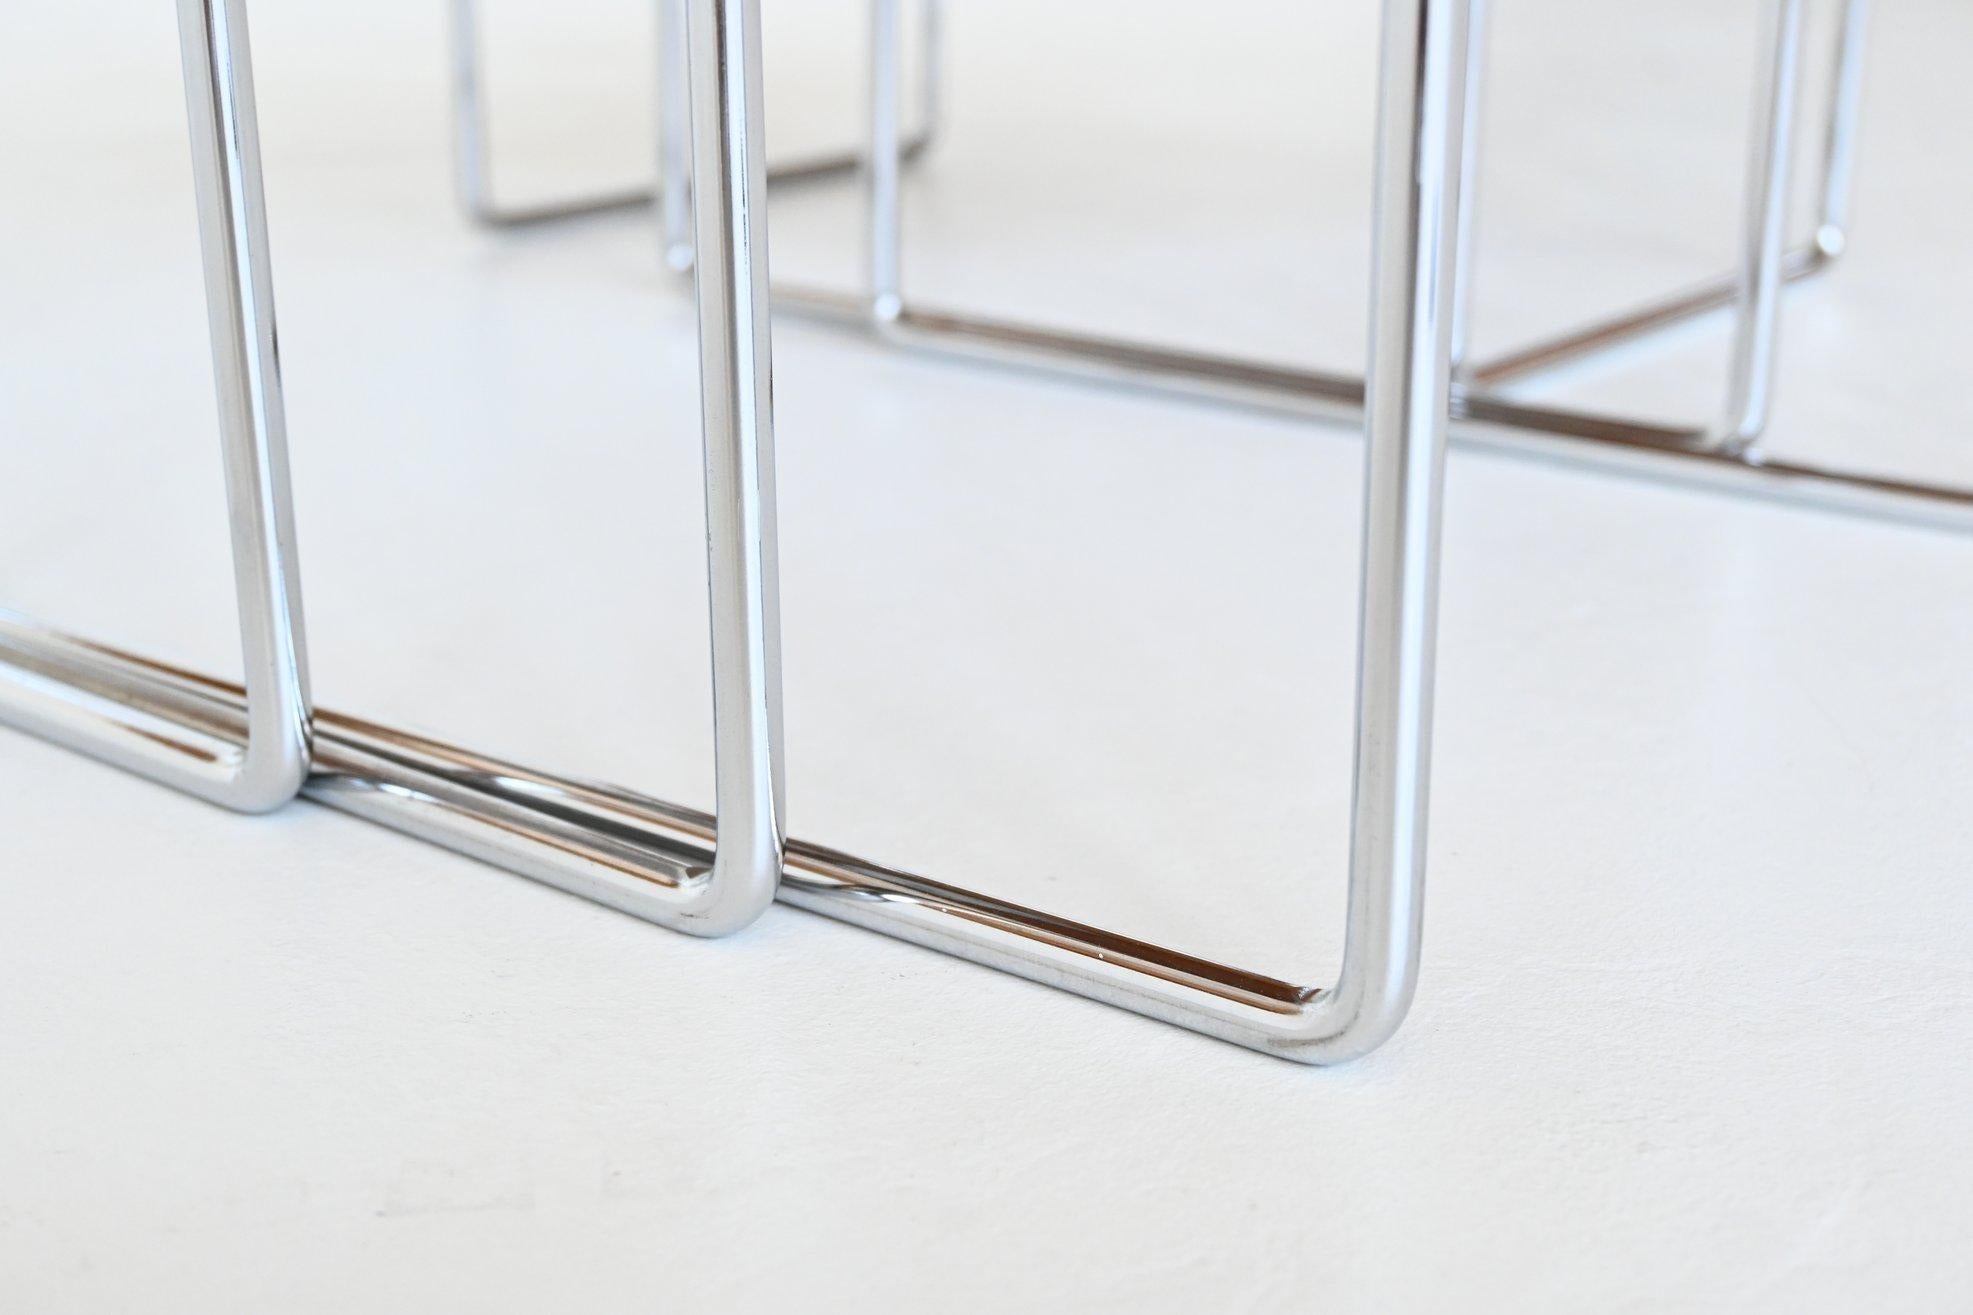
(1568, 348)
(495, 816)
(1764, 235)
(736, 398)
(1839, 141)
(674, 137)
(500, 816)
(1415, 252)
(931, 87)
(1474, 76)
(503, 816)
(264, 765)
(1631, 448)
(408, 782)
(546, 824)
(472, 164)
(1672, 453)
(1414, 262)
(674, 190)
(1842, 116)
(472, 152)
(884, 165)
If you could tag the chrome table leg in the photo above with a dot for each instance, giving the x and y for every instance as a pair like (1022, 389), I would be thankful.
(260, 763)
(406, 781)
(503, 816)
(608, 843)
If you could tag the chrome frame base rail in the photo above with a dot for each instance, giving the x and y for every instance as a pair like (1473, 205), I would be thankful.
(414, 784)
(544, 824)
(472, 156)
(1577, 345)
(261, 764)
(1575, 439)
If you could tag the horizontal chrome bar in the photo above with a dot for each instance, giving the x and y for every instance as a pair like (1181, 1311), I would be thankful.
(1481, 422)
(472, 155)
(1716, 294)
(799, 172)
(538, 824)
(1842, 114)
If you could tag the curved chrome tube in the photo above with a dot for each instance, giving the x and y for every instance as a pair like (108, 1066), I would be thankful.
(736, 397)
(189, 731)
(1414, 260)
(472, 156)
(500, 815)
(1736, 289)
(674, 187)
(1721, 456)
(263, 766)
(682, 868)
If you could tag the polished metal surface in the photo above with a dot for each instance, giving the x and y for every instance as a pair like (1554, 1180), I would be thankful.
(472, 156)
(1721, 455)
(623, 836)
(683, 869)
(1841, 117)
(1419, 152)
(675, 190)
(1478, 17)
(253, 751)
(1764, 236)
(736, 398)
(263, 763)
(670, 864)
(502, 816)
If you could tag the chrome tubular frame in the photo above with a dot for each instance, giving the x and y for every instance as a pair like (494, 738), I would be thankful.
(1740, 289)
(1415, 250)
(674, 176)
(246, 745)
(1720, 456)
(503, 815)
(556, 828)
(259, 764)
(472, 157)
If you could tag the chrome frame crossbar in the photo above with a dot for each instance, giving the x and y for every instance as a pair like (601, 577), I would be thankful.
(679, 867)
(1842, 116)
(1724, 455)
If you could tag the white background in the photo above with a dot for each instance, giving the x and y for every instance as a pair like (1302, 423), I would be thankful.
(1693, 1029)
